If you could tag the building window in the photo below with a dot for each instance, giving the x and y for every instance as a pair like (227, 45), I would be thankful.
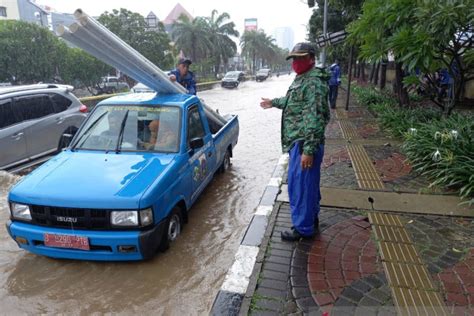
(3, 11)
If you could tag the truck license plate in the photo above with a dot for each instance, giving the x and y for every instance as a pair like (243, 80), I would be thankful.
(66, 241)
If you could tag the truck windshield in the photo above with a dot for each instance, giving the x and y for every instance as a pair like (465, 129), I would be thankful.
(131, 128)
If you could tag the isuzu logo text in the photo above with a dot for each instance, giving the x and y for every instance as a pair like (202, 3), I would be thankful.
(66, 219)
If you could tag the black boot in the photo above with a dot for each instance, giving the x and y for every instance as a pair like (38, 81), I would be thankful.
(316, 225)
(292, 235)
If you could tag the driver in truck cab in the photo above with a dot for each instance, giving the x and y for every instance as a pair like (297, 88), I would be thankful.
(162, 136)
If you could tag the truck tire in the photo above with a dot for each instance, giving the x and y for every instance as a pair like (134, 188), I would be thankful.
(225, 163)
(173, 227)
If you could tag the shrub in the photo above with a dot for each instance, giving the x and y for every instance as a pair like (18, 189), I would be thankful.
(443, 151)
(438, 147)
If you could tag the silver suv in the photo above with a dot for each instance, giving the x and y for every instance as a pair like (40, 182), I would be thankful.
(35, 121)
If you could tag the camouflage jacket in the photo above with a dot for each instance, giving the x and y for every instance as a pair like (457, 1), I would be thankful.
(305, 111)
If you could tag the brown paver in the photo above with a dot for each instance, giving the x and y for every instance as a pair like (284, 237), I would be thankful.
(340, 255)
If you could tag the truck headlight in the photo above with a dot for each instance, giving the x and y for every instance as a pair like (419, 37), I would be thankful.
(124, 218)
(20, 211)
(146, 217)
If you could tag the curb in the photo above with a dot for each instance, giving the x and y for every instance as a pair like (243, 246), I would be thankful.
(228, 300)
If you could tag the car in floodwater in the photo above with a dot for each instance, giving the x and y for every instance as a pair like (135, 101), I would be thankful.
(36, 121)
(232, 79)
(263, 74)
(124, 187)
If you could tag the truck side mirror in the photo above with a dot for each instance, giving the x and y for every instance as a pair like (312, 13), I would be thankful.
(196, 143)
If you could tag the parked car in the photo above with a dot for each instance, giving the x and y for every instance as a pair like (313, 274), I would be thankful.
(112, 84)
(141, 88)
(232, 79)
(263, 74)
(124, 187)
(36, 120)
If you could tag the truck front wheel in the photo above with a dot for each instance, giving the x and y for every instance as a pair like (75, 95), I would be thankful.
(172, 229)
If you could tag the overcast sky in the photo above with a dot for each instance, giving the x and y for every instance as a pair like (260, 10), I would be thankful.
(270, 13)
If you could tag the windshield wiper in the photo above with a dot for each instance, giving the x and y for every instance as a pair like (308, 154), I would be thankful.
(122, 130)
(88, 130)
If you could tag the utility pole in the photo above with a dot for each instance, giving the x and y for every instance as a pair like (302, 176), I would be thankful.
(325, 32)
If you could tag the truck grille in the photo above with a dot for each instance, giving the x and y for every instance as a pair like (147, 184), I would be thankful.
(73, 218)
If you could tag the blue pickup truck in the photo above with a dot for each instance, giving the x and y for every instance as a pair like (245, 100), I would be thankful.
(123, 189)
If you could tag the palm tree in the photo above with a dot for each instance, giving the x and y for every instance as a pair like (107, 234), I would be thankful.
(257, 44)
(220, 30)
(250, 45)
(192, 36)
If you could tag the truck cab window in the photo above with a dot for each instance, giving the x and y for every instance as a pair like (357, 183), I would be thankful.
(195, 127)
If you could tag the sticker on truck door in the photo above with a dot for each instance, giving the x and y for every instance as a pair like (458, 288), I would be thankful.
(200, 170)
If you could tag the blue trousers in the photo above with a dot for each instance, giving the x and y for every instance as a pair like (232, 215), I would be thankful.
(333, 95)
(304, 190)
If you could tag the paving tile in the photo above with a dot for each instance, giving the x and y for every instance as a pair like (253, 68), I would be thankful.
(300, 292)
(307, 304)
(273, 284)
(269, 305)
(352, 294)
(379, 295)
(280, 276)
(300, 280)
(272, 293)
(318, 285)
(323, 299)
(374, 281)
(276, 267)
(277, 259)
(361, 286)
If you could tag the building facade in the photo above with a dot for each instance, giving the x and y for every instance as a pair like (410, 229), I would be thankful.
(284, 37)
(24, 10)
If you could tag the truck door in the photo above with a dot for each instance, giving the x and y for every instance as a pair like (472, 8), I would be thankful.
(202, 159)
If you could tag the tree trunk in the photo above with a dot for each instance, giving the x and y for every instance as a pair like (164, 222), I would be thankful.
(349, 79)
(383, 75)
(376, 74)
(402, 93)
(362, 72)
(372, 73)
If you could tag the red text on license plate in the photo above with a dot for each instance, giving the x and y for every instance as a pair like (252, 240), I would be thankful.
(66, 241)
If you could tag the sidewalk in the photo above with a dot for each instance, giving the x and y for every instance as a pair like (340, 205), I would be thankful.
(380, 252)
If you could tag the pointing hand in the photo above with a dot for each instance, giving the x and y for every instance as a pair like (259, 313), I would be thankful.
(266, 103)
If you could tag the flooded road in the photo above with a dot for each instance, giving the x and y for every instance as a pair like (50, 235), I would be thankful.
(186, 278)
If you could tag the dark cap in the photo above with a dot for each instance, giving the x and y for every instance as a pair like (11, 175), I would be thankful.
(302, 49)
(184, 61)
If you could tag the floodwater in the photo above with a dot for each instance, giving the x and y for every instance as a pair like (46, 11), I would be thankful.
(186, 278)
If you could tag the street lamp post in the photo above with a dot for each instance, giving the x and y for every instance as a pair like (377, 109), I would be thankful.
(325, 31)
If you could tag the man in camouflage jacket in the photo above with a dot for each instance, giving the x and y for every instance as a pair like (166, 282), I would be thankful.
(304, 119)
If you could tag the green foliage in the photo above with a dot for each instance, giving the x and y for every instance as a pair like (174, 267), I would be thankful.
(28, 52)
(192, 37)
(258, 45)
(442, 150)
(424, 35)
(132, 28)
(219, 32)
(438, 147)
(370, 96)
(82, 69)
